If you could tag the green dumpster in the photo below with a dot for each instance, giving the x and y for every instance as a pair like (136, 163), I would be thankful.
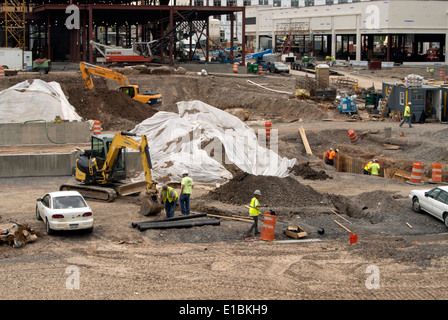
(370, 99)
(253, 68)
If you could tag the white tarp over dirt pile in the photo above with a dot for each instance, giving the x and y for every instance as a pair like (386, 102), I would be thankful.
(205, 140)
(39, 100)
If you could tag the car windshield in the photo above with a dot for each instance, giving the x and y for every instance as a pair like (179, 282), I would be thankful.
(69, 202)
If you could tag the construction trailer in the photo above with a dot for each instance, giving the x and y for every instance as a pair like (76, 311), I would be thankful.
(425, 99)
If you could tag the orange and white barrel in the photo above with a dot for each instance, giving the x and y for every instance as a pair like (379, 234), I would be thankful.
(267, 127)
(260, 70)
(416, 174)
(2, 72)
(353, 137)
(268, 229)
(235, 67)
(436, 172)
(442, 74)
(96, 127)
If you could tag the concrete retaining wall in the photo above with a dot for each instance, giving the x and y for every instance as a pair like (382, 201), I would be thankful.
(42, 165)
(41, 132)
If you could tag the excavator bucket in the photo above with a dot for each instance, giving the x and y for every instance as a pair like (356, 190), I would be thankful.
(131, 188)
(150, 205)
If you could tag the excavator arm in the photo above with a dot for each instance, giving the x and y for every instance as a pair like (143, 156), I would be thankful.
(87, 70)
(150, 204)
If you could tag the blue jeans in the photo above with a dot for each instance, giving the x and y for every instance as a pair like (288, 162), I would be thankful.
(406, 119)
(169, 208)
(185, 203)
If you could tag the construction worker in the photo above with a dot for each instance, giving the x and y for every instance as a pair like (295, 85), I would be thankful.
(327, 156)
(254, 212)
(333, 60)
(407, 115)
(331, 155)
(375, 168)
(186, 189)
(368, 167)
(168, 196)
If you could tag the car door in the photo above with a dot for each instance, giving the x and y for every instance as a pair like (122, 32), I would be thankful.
(440, 205)
(44, 206)
(428, 201)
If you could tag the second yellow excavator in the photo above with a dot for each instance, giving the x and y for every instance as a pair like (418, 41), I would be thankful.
(153, 99)
(102, 169)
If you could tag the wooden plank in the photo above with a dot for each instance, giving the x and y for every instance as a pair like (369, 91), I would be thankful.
(342, 226)
(305, 140)
(226, 217)
(340, 216)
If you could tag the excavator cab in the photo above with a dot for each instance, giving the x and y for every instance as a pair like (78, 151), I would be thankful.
(100, 147)
(129, 90)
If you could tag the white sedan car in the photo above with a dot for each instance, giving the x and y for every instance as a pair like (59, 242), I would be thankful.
(433, 201)
(64, 210)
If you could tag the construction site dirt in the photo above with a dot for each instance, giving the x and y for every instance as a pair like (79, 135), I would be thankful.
(399, 254)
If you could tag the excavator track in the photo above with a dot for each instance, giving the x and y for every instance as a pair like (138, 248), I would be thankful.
(91, 192)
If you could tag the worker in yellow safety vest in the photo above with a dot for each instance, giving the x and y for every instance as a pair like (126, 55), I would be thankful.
(168, 196)
(407, 115)
(375, 168)
(254, 212)
(368, 167)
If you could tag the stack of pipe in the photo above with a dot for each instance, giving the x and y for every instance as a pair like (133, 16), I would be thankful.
(187, 221)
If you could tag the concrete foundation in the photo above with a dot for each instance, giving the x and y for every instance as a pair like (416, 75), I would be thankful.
(42, 132)
(46, 164)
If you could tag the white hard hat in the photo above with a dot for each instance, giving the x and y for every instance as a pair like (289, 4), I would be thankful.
(409, 103)
(185, 172)
(257, 192)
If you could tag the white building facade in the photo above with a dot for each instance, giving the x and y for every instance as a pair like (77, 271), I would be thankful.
(400, 31)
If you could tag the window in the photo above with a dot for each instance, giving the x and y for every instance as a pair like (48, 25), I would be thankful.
(263, 2)
(198, 3)
(247, 3)
(402, 98)
(443, 197)
(277, 3)
(46, 201)
(294, 3)
(251, 20)
(217, 3)
(231, 3)
(309, 3)
(433, 193)
(418, 96)
(329, 2)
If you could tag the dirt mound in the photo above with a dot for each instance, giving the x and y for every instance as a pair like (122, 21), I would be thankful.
(275, 191)
(114, 109)
(305, 171)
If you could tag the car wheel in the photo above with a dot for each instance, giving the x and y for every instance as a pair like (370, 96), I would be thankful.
(445, 219)
(48, 229)
(416, 205)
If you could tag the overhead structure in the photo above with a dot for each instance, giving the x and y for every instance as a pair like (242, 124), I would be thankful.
(14, 12)
(98, 25)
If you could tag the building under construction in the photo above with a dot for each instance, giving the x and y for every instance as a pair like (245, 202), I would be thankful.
(77, 30)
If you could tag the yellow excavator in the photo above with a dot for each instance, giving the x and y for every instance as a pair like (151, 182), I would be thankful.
(154, 99)
(102, 170)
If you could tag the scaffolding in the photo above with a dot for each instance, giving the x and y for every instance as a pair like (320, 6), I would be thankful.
(15, 23)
